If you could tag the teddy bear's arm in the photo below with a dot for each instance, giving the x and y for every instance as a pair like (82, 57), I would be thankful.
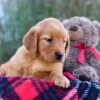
(95, 63)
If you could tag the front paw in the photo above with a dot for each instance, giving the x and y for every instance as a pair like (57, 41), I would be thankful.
(61, 81)
(2, 72)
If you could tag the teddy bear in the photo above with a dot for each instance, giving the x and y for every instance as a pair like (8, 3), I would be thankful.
(84, 58)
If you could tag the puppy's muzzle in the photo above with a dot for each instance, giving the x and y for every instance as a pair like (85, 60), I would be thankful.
(58, 55)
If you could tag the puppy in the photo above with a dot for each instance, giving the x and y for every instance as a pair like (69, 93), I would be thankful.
(42, 54)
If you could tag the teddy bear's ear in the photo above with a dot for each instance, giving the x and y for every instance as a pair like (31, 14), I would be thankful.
(65, 22)
(97, 25)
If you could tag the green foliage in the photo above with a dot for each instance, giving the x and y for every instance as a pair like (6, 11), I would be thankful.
(20, 15)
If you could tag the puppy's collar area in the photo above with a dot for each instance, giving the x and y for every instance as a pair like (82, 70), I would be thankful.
(82, 51)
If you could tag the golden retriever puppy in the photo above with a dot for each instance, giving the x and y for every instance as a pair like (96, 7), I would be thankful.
(42, 54)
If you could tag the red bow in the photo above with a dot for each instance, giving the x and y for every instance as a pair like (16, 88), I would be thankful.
(82, 49)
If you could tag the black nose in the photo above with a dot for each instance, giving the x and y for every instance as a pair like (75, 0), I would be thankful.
(58, 55)
(73, 28)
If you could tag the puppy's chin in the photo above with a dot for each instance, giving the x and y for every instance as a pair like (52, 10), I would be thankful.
(51, 59)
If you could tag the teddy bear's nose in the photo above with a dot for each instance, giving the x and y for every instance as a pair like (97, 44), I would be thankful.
(73, 28)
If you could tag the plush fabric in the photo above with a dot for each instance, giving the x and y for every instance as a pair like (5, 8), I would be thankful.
(23, 88)
(83, 58)
(82, 49)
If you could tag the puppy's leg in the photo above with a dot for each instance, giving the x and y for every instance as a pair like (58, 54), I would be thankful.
(2, 71)
(8, 70)
(59, 79)
(42, 75)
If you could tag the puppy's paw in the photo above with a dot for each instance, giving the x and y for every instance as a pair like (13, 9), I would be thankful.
(61, 81)
(2, 73)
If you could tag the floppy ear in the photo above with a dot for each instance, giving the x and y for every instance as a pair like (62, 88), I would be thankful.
(30, 40)
(67, 45)
(97, 25)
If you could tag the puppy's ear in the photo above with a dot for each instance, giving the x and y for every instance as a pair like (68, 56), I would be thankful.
(30, 40)
(67, 47)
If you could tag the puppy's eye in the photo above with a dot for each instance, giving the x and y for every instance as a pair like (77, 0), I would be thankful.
(49, 40)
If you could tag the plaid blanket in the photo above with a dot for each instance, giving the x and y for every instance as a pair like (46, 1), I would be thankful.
(23, 88)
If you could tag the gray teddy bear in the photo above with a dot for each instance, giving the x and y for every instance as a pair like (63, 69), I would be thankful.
(83, 59)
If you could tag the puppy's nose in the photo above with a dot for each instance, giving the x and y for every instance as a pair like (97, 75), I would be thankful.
(73, 28)
(58, 55)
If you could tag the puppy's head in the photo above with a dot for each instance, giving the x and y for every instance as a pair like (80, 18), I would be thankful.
(49, 39)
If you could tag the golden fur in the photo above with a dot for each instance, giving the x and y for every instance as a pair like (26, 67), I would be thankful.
(36, 57)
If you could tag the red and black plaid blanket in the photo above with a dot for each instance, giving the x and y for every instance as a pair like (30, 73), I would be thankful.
(22, 88)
